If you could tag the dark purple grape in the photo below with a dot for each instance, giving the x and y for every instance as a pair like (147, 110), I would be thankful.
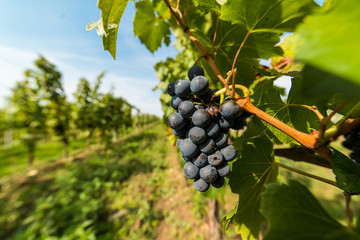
(225, 123)
(199, 85)
(191, 171)
(179, 140)
(216, 158)
(201, 118)
(208, 173)
(218, 183)
(229, 152)
(201, 185)
(182, 88)
(221, 140)
(180, 132)
(212, 130)
(188, 148)
(175, 101)
(176, 121)
(197, 106)
(238, 123)
(208, 146)
(186, 159)
(223, 169)
(171, 89)
(194, 71)
(207, 96)
(186, 109)
(197, 135)
(230, 109)
(201, 160)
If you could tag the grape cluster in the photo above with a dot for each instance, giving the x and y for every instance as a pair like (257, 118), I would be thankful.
(201, 125)
(352, 142)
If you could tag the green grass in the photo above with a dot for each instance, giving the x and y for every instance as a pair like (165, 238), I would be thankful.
(14, 159)
(108, 194)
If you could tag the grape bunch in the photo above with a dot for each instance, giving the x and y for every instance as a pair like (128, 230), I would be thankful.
(201, 124)
(352, 142)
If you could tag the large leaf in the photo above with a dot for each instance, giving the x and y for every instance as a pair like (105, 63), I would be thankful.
(111, 13)
(267, 15)
(346, 171)
(294, 213)
(330, 41)
(250, 173)
(300, 118)
(151, 30)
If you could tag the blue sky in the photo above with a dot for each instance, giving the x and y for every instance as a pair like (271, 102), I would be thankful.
(56, 30)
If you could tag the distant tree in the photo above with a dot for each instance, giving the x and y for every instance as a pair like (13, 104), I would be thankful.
(51, 90)
(86, 117)
(29, 114)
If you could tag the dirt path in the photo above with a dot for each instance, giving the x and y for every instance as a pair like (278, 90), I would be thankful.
(180, 222)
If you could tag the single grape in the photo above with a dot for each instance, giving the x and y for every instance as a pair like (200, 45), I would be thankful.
(221, 140)
(179, 140)
(182, 88)
(201, 118)
(191, 171)
(201, 160)
(208, 173)
(199, 85)
(197, 106)
(230, 109)
(223, 169)
(194, 71)
(171, 89)
(175, 101)
(208, 146)
(229, 152)
(218, 183)
(201, 185)
(180, 132)
(207, 96)
(186, 159)
(176, 121)
(188, 148)
(225, 123)
(216, 158)
(212, 130)
(238, 123)
(186, 109)
(197, 135)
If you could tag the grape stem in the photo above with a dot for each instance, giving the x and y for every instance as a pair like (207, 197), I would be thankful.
(244, 89)
(324, 180)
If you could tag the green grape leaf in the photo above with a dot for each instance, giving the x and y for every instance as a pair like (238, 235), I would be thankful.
(294, 213)
(151, 30)
(250, 173)
(207, 5)
(267, 15)
(330, 43)
(111, 13)
(272, 104)
(346, 171)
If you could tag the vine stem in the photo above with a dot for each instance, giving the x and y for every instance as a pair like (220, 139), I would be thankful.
(349, 213)
(304, 139)
(306, 174)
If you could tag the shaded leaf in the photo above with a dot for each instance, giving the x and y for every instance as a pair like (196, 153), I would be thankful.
(346, 171)
(294, 213)
(330, 42)
(151, 30)
(250, 173)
